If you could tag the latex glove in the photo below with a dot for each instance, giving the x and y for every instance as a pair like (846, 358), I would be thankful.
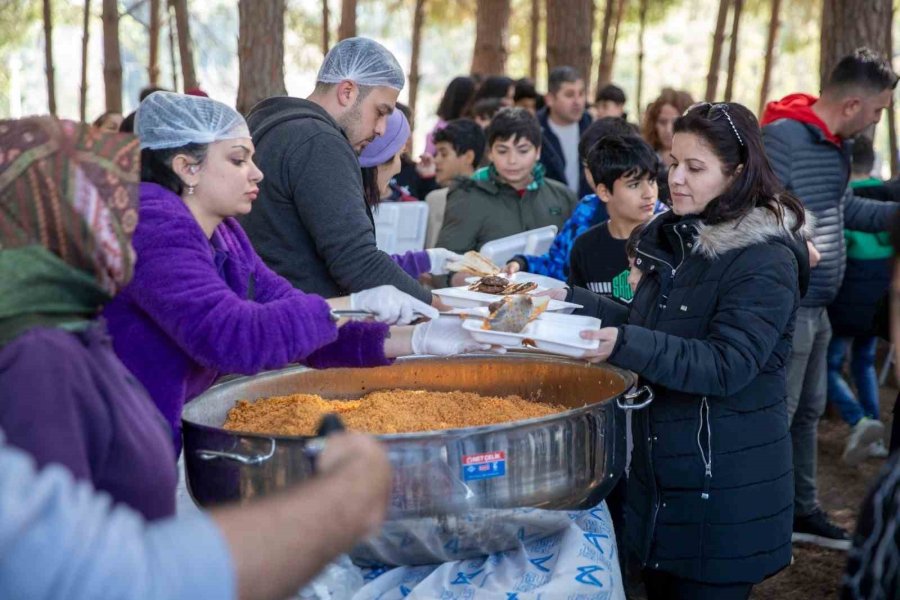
(391, 306)
(444, 337)
(439, 257)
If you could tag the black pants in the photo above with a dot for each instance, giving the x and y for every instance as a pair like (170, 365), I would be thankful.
(665, 586)
(895, 428)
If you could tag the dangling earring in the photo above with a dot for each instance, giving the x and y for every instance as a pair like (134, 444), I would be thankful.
(190, 190)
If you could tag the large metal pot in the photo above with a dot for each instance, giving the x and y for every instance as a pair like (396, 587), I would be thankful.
(455, 493)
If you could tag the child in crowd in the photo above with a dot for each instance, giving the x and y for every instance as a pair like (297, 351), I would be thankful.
(624, 171)
(866, 279)
(527, 97)
(459, 148)
(589, 212)
(609, 102)
(510, 195)
(483, 111)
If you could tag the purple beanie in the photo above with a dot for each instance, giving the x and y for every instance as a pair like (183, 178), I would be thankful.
(384, 147)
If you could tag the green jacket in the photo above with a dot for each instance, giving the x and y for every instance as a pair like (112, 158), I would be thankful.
(484, 208)
(867, 246)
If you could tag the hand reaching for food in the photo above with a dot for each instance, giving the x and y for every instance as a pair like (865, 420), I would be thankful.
(607, 336)
(439, 258)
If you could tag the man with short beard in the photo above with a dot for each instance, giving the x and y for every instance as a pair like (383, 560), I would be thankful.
(310, 223)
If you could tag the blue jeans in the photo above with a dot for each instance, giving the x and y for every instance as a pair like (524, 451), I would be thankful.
(862, 369)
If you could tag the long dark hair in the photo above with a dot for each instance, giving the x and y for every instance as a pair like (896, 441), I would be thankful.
(456, 97)
(371, 190)
(156, 165)
(732, 132)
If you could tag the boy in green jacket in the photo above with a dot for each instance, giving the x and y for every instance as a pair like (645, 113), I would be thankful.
(510, 195)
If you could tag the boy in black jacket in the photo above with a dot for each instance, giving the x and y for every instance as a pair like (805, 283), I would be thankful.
(624, 169)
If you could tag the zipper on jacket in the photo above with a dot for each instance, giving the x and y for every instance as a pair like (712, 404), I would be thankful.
(705, 455)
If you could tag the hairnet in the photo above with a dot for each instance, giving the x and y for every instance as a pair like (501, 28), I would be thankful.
(384, 147)
(168, 120)
(362, 61)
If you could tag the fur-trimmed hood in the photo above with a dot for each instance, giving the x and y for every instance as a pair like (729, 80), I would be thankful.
(759, 226)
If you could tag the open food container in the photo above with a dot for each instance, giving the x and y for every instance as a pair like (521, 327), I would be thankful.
(463, 297)
(455, 493)
(550, 332)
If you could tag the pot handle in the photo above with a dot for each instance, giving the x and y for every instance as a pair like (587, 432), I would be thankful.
(634, 396)
(238, 458)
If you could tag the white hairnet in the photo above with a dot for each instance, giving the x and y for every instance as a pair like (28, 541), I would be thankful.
(362, 61)
(168, 120)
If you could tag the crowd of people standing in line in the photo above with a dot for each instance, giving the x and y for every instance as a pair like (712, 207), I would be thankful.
(711, 244)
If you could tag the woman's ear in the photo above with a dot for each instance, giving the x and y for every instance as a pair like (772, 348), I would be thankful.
(186, 169)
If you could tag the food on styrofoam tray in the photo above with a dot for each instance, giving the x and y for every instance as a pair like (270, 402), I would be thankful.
(473, 262)
(463, 298)
(548, 332)
(383, 412)
(513, 313)
(501, 286)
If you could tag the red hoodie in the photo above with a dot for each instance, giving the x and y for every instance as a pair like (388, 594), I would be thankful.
(799, 108)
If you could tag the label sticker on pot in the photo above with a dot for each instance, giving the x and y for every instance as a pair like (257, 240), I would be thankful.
(483, 466)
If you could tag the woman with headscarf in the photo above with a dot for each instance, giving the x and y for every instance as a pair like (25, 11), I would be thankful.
(68, 208)
(202, 303)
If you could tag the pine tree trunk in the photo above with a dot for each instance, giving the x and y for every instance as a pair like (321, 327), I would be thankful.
(418, 24)
(770, 55)
(849, 24)
(534, 42)
(173, 61)
(326, 37)
(48, 56)
(712, 78)
(606, 75)
(260, 52)
(153, 62)
(185, 45)
(733, 49)
(112, 60)
(570, 30)
(85, 37)
(491, 37)
(347, 28)
(639, 95)
(609, 13)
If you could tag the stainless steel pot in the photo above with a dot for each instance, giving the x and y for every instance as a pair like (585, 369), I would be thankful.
(455, 493)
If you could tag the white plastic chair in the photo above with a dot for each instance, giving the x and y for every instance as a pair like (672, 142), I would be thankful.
(536, 241)
(400, 226)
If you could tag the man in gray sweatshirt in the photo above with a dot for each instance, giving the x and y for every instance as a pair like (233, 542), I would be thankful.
(310, 223)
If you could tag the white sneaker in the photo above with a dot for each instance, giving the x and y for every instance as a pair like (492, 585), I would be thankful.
(878, 450)
(862, 435)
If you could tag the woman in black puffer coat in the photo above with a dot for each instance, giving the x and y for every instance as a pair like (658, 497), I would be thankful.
(709, 507)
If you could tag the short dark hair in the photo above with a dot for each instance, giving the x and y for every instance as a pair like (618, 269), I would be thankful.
(863, 158)
(127, 125)
(632, 242)
(862, 68)
(156, 165)
(463, 135)
(514, 123)
(601, 128)
(486, 107)
(617, 156)
(610, 93)
(457, 95)
(561, 75)
(495, 86)
(525, 89)
(150, 89)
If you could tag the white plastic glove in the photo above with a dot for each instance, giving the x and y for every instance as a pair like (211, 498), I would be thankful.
(391, 306)
(439, 257)
(444, 337)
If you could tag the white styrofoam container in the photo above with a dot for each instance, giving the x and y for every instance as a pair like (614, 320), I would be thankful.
(463, 297)
(550, 332)
(543, 282)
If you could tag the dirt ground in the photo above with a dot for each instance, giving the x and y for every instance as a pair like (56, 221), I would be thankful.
(816, 572)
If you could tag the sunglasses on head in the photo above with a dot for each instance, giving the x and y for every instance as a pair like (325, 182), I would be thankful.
(715, 111)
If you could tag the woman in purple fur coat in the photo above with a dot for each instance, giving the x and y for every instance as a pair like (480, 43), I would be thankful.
(202, 303)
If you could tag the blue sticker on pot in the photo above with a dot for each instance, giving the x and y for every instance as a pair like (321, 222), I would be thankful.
(483, 466)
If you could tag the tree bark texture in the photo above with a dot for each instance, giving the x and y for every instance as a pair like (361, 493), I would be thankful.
(733, 48)
(260, 52)
(418, 24)
(326, 37)
(849, 24)
(153, 62)
(48, 56)
(347, 28)
(112, 60)
(85, 38)
(639, 94)
(491, 37)
(712, 78)
(769, 60)
(185, 45)
(606, 74)
(534, 42)
(173, 61)
(570, 30)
